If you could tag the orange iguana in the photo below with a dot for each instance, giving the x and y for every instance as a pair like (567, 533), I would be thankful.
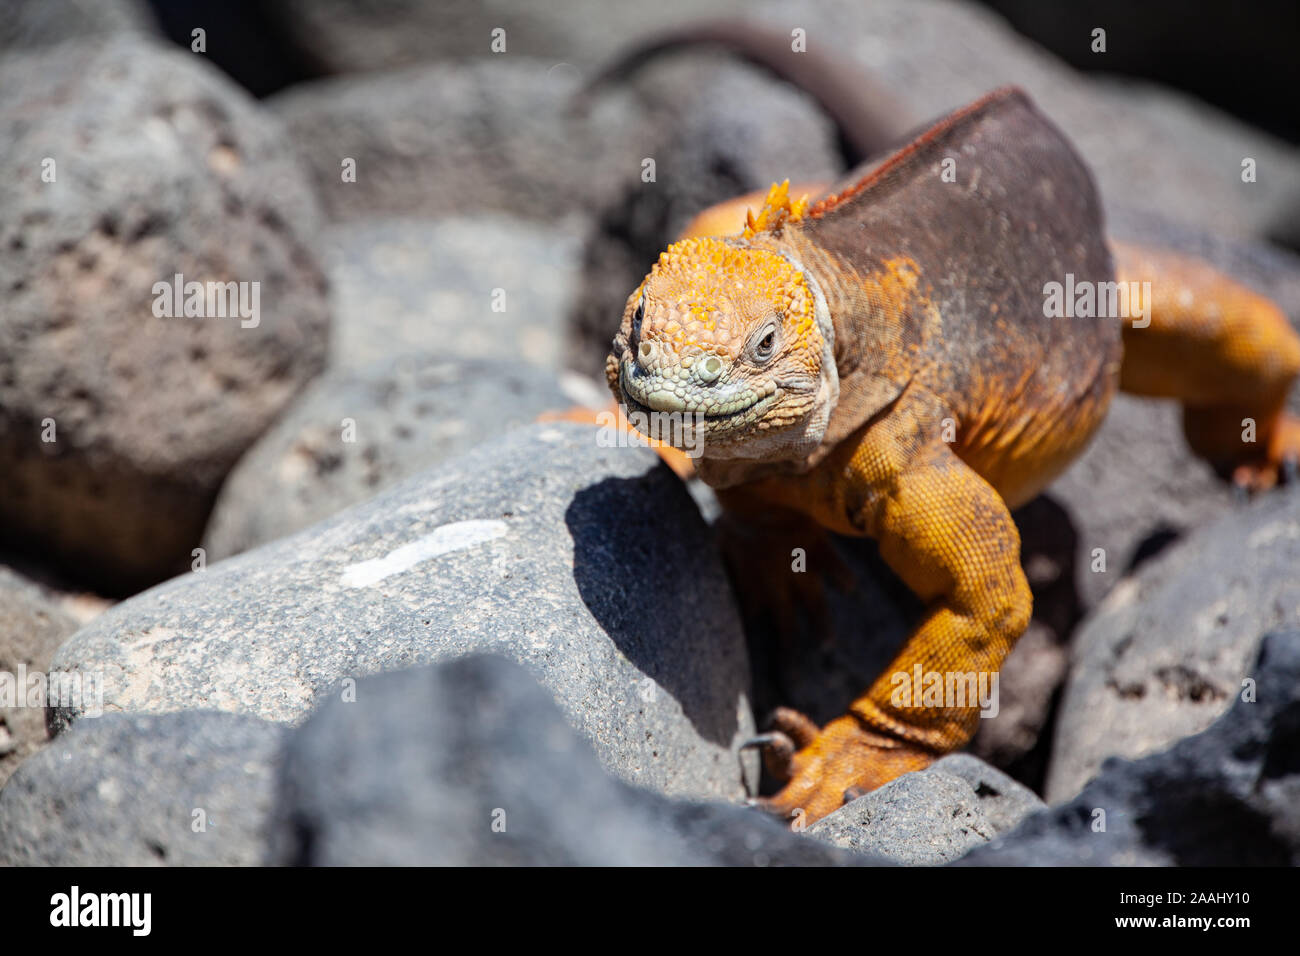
(910, 356)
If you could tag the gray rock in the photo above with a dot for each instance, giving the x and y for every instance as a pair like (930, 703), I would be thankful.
(1004, 802)
(489, 135)
(1166, 652)
(190, 789)
(407, 416)
(404, 287)
(542, 546)
(919, 819)
(31, 629)
(1134, 490)
(163, 167)
(1229, 796)
(471, 763)
(932, 816)
(1028, 682)
(364, 35)
(35, 24)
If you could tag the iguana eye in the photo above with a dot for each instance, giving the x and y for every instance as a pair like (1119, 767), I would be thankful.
(765, 347)
(637, 316)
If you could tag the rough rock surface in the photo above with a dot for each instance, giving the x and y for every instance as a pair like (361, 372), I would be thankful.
(405, 416)
(31, 629)
(190, 789)
(1167, 652)
(542, 546)
(1004, 802)
(932, 816)
(1229, 796)
(161, 167)
(919, 819)
(471, 763)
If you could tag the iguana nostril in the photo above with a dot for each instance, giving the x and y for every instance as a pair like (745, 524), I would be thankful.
(711, 369)
(645, 353)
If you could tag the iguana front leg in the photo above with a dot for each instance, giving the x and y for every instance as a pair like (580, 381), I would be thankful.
(949, 536)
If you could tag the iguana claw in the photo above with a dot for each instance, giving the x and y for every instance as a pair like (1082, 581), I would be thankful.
(778, 751)
(775, 739)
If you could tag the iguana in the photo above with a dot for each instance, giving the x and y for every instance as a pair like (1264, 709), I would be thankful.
(889, 360)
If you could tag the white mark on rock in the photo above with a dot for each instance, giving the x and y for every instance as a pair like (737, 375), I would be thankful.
(450, 537)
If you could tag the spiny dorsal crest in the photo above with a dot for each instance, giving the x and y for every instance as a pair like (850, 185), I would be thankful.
(777, 211)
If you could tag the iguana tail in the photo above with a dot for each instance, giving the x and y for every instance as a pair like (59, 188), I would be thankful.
(867, 115)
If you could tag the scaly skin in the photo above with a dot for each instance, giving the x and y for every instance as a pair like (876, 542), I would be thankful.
(879, 364)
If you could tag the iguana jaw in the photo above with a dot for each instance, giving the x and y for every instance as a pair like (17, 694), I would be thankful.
(736, 406)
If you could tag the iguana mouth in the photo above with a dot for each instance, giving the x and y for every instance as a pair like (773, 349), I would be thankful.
(631, 393)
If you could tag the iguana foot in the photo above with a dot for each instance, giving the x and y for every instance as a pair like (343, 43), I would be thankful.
(1281, 463)
(841, 762)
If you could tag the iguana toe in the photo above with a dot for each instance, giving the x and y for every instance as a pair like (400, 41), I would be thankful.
(789, 732)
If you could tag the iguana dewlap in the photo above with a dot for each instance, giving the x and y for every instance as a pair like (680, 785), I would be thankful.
(881, 363)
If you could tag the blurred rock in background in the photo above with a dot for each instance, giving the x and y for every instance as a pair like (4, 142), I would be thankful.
(32, 626)
(38, 24)
(124, 165)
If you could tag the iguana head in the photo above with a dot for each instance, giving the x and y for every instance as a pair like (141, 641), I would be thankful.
(734, 336)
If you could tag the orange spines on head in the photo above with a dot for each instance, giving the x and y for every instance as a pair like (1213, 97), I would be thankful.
(777, 210)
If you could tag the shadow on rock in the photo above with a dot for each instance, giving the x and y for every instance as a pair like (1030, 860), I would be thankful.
(613, 542)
